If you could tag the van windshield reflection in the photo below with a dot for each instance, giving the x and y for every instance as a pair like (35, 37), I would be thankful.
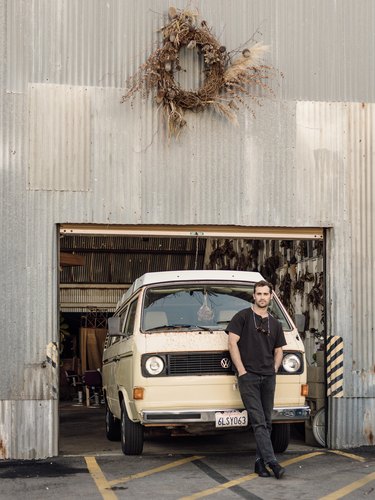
(198, 307)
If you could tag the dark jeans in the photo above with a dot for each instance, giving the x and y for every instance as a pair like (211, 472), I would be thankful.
(257, 393)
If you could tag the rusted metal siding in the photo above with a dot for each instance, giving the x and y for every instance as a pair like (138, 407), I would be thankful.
(352, 422)
(28, 429)
(296, 163)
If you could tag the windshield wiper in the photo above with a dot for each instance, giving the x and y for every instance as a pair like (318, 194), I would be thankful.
(207, 328)
(172, 327)
(161, 327)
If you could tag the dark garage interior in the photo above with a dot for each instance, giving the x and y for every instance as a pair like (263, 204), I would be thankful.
(95, 270)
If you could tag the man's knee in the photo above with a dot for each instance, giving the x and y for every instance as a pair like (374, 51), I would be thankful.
(259, 426)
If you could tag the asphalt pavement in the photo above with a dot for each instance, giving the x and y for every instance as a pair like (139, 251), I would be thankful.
(220, 467)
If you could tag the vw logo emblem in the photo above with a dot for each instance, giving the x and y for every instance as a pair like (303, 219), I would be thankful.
(225, 363)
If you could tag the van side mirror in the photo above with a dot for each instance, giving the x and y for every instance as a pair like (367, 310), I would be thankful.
(114, 326)
(299, 320)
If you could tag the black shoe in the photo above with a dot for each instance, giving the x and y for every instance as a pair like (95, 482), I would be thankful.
(276, 469)
(261, 469)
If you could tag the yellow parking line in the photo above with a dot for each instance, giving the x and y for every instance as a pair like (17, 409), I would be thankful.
(349, 488)
(348, 455)
(162, 468)
(221, 487)
(302, 457)
(99, 478)
(244, 479)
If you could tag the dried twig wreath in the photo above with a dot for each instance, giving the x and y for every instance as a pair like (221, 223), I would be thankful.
(226, 81)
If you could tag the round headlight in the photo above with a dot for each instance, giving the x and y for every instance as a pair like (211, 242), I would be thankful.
(291, 363)
(154, 365)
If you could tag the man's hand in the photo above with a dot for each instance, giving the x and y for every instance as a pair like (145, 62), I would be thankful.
(235, 353)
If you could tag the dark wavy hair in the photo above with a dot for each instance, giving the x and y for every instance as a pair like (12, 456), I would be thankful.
(258, 284)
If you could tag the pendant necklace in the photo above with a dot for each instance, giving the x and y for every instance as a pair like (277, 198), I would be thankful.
(260, 328)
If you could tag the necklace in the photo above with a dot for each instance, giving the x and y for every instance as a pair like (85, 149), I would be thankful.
(259, 327)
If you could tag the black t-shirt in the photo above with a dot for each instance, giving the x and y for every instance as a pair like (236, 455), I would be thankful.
(257, 348)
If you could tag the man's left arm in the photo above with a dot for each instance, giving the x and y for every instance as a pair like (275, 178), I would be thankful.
(278, 357)
(278, 350)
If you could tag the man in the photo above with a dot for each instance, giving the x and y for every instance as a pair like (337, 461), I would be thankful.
(255, 345)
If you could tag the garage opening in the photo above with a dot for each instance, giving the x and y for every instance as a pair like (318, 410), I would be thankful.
(99, 263)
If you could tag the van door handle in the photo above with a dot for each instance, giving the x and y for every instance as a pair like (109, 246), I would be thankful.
(116, 359)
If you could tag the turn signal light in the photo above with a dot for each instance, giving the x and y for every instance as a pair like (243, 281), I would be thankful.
(304, 390)
(138, 392)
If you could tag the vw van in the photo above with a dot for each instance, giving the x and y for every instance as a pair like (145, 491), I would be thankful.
(166, 361)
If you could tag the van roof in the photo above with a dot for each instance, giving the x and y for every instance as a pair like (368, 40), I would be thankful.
(199, 275)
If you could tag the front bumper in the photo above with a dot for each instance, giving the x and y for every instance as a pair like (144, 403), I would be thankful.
(161, 417)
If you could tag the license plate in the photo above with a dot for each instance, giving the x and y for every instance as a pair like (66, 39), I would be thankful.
(231, 418)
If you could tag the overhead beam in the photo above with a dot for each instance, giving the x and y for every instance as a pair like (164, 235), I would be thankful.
(260, 233)
(135, 251)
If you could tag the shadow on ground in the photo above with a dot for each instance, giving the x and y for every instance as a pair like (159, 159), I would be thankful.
(82, 432)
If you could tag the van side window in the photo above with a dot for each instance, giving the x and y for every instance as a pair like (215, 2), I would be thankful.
(129, 324)
(114, 340)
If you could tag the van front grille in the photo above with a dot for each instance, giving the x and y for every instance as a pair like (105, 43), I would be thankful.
(202, 363)
(188, 363)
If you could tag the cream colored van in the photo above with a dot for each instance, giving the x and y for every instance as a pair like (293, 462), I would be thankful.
(166, 361)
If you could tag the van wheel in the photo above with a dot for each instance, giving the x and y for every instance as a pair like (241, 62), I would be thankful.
(112, 426)
(131, 434)
(280, 437)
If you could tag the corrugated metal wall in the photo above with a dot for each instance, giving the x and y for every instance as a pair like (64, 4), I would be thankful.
(338, 137)
(354, 418)
(70, 152)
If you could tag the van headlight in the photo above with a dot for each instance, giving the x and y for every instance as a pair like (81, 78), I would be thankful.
(291, 363)
(154, 365)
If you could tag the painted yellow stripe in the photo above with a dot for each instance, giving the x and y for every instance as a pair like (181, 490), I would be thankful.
(149, 472)
(222, 487)
(349, 488)
(336, 385)
(244, 479)
(338, 394)
(339, 384)
(99, 478)
(332, 364)
(348, 455)
(338, 372)
(332, 340)
(337, 349)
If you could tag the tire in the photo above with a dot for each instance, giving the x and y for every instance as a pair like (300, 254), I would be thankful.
(280, 437)
(319, 427)
(131, 434)
(112, 425)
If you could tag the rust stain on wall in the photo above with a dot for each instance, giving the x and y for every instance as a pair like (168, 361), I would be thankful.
(370, 436)
(2, 449)
(368, 430)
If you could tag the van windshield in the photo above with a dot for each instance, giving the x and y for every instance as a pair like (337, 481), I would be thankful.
(199, 306)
